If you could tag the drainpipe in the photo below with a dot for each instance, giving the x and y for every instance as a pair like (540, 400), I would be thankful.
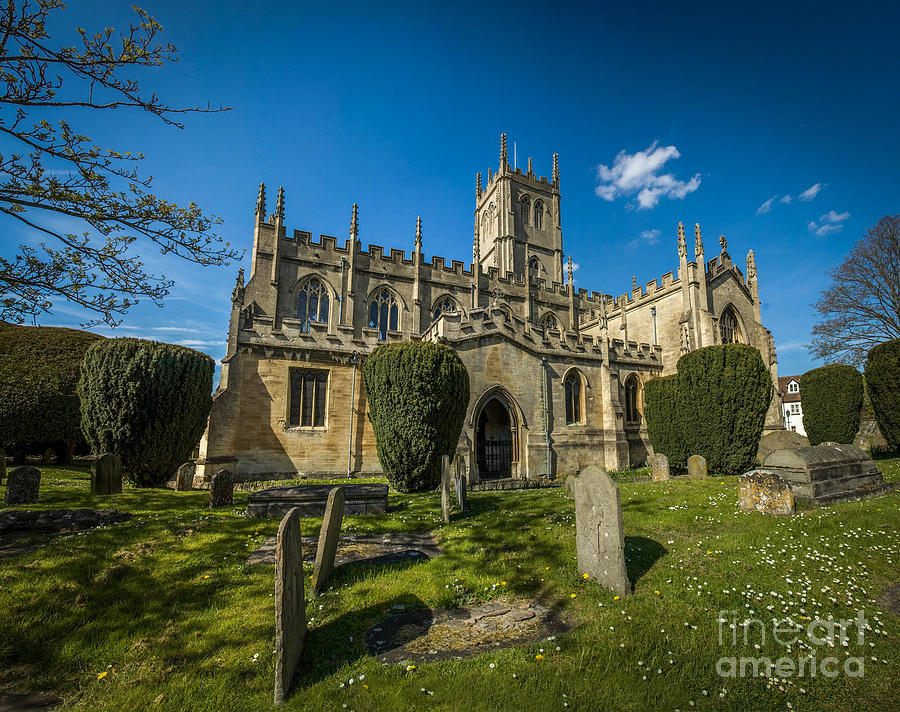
(653, 314)
(353, 359)
(545, 398)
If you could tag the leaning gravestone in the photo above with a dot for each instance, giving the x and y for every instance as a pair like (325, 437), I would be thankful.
(445, 489)
(221, 489)
(696, 467)
(460, 483)
(766, 492)
(290, 604)
(329, 535)
(106, 474)
(659, 467)
(599, 532)
(23, 485)
(184, 478)
(779, 440)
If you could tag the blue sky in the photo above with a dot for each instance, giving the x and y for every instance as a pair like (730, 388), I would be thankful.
(774, 124)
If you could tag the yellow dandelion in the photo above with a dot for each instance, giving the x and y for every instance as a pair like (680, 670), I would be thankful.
(365, 687)
(207, 576)
(573, 595)
(538, 657)
(616, 598)
(709, 552)
(656, 592)
(586, 576)
(547, 569)
(503, 583)
(410, 668)
(103, 674)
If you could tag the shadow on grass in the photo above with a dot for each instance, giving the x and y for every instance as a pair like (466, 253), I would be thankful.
(641, 553)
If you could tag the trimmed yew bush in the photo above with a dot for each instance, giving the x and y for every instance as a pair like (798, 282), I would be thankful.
(883, 387)
(831, 399)
(39, 371)
(663, 425)
(723, 395)
(417, 393)
(147, 402)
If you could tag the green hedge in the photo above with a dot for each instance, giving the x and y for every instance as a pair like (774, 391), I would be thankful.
(147, 402)
(883, 387)
(663, 429)
(417, 393)
(39, 371)
(831, 399)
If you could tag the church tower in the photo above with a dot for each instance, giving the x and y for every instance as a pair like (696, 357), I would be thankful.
(517, 221)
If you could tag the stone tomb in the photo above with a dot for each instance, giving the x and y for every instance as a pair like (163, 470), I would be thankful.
(765, 492)
(827, 473)
(696, 465)
(290, 603)
(311, 500)
(599, 531)
(659, 467)
(106, 474)
(184, 478)
(23, 485)
(329, 535)
(221, 489)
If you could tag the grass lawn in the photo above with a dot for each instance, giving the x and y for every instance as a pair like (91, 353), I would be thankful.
(161, 612)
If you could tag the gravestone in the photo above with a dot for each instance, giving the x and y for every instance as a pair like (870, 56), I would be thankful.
(461, 486)
(570, 486)
(599, 531)
(221, 489)
(659, 467)
(766, 492)
(2, 464)
(106, 474)
(779, 440)
(329, 535)
(290, 603)
(23, 485)
(696, 467)
(184, 478)
(445, 489)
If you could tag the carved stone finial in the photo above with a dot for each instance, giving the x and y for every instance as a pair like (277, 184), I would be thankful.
(503, 154)
(633, 282)
(751, 265)
(556, 168)
(530, 167)
(279, 204)
(570, 270)
(237, 295)
(682, 243)
(489, 175)
(723, 242)
(698, 241)
(419, 233)
(354, 222)
(261, 202)
(478, 185)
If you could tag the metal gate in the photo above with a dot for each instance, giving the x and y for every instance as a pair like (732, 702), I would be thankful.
(495, 457)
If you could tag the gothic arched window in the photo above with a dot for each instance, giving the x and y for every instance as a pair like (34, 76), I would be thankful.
(445, 304)
(548, 322)
(729, 328)
(383, 313)
(312, 304)
(538, 214)
(572, 386)
(632, 414)
(526, 209)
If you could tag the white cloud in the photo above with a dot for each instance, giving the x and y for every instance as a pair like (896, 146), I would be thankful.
(829, 223)
(767, 206)
(786, 200)
(647, 237)
(639, 173)
(811, 192)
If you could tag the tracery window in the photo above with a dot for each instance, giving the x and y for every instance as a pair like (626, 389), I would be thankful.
(312, 304)
(526, 209)
(549, 322)
(383, 313)
(632, 414)
(534, 267)
(572, 386)
(308, 396)
(538, 214)
(729, 328)
(445, 304)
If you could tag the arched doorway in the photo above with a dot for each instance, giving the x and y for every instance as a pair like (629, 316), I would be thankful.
(494, 440)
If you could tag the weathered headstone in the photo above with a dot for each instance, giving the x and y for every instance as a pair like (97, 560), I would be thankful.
(445, 489)
(2, 464)
(659, 467)
(779, 440)
(696, 467)
(569, 486)
(766, 492)
(461, 485)
(23, 485)
(599, 531)
(184, 478)
(290, 603)
(329, 535)
(106, 474)
(221, 489)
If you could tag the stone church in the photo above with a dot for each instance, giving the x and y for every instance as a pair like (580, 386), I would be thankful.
(557, 374)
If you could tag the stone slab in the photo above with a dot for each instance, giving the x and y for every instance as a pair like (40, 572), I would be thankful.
(765, 492)
(599, 530)
(311, 500)
(106, 474)
(23, 485)
(290, 604)
(365, 549)
(659, 467)
(779, 440)
(329, 535)
(696, 466)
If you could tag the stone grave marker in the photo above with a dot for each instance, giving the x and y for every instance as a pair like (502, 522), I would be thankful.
(221, 489)
(779, 440)
(184, 478)
(599, 531)
(23, 485)
(290, 603)
(445, 489)
(659, 467)
(106, 474)
(764, 491)
(696, 467)
(461, 485)
(2, 464)
(329, 535)
(570, 486)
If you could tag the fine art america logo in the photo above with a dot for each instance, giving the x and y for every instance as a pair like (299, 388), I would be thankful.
(810, 645)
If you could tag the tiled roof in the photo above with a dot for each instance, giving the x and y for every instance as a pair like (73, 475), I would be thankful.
(783, 387)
